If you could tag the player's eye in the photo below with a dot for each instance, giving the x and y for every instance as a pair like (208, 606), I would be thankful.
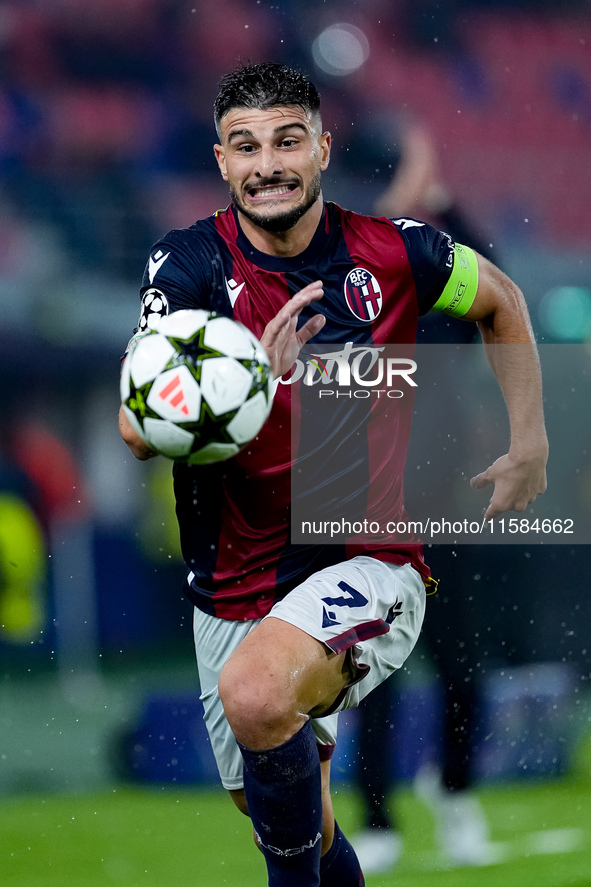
(289, 143)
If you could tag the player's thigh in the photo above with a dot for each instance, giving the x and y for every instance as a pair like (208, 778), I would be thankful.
(215, 641)
(279, 670)
(368, 609)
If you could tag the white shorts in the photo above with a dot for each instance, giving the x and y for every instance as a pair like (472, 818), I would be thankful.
(364, 605)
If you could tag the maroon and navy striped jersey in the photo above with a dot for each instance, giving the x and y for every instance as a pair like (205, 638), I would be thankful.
(379, 275)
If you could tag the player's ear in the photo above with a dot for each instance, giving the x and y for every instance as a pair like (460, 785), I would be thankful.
(220, 156)
(324, 142)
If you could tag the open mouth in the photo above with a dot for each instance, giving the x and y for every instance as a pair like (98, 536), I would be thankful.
(273, 192)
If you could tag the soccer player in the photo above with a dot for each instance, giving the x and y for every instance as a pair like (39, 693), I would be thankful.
(288, 635)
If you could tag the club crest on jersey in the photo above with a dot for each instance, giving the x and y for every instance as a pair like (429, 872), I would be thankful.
(363, 294)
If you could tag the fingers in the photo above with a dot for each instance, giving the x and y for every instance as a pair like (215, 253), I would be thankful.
(507, 497)
(291, 310)
(490, 513)
(497, 507)
(305, 297)
(516, 485)
(311, 328)
(309, 293)
(281, 339)
(481, 480)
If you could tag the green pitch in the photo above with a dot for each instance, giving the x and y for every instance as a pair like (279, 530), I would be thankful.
(190, 838)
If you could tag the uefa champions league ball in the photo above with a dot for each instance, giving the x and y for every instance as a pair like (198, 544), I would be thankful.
(198, 388)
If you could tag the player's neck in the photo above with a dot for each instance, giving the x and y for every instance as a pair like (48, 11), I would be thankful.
(284, 243)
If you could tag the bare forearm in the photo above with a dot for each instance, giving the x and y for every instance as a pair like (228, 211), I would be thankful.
(512, 353)
(502, 317)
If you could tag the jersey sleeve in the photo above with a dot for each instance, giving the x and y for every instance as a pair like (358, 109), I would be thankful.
(174, 278)
(445, 273)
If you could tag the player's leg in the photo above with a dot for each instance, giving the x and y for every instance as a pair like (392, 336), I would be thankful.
(239, 798)
(276, 679)
(339, 866)
(269, 686)
(284, 672)
(215, 639)
(300, 661)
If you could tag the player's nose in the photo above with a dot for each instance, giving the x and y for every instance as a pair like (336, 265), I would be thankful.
(268, 162)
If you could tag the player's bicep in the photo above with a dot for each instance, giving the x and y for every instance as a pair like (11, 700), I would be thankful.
(494, 290)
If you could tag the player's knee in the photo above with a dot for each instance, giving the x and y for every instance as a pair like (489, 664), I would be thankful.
(254, 707)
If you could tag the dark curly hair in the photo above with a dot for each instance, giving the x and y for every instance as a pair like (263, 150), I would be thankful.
(264, 86)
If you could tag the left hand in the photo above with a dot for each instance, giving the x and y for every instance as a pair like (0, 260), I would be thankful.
(517, 482)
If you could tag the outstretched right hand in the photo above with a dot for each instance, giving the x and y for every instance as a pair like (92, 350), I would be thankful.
(281, 339)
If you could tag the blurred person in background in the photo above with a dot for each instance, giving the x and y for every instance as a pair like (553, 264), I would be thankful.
(23, 555)
(417, 190)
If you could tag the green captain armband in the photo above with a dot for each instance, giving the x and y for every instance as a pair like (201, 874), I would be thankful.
(460, 289)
